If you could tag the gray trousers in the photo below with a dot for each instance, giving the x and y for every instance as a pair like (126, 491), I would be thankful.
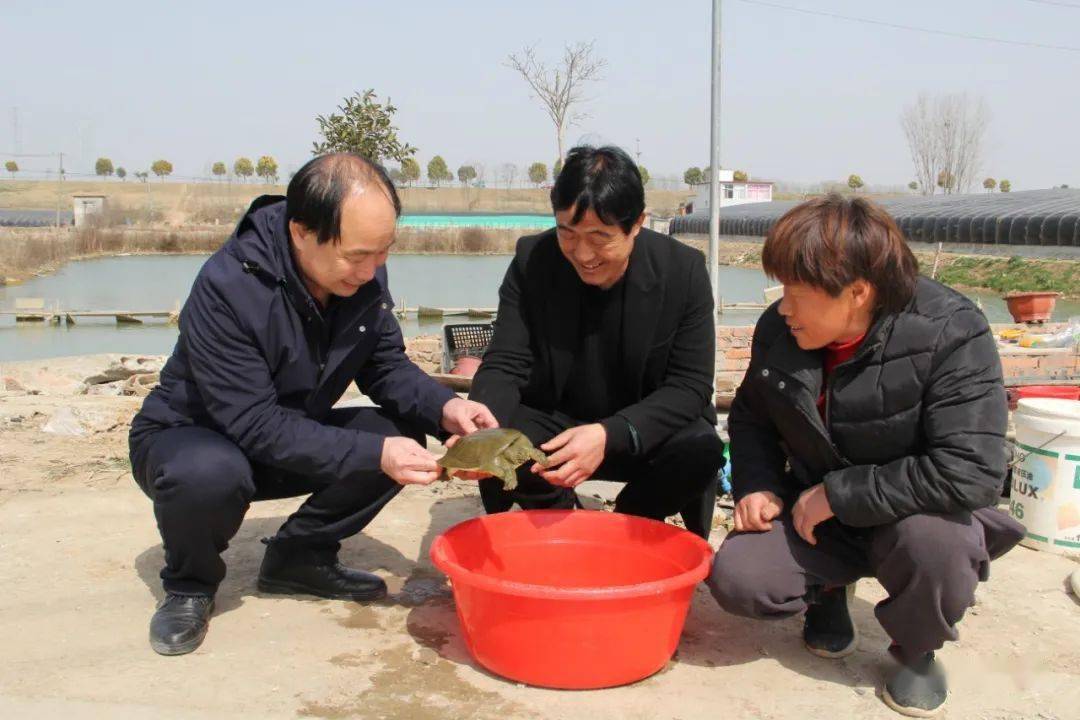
(929, 565)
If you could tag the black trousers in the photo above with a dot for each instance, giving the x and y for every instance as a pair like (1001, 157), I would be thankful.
(929, 564)
(202, 484)
(679, 477)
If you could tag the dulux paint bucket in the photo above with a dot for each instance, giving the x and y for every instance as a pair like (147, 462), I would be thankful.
(1046, 481)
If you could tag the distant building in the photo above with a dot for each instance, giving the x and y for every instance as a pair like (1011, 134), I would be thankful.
(86, 206)
(732, 192)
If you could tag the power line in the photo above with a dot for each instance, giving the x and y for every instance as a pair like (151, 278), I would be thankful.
(1058, 3)
(914, 28)
(29, 155)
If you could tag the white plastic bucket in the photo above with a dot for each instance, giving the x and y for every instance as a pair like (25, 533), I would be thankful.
(1045, 493)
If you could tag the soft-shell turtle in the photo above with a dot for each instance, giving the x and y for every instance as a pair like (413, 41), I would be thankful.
(498, 451)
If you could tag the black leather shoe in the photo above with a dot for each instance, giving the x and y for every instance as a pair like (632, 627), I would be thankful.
(917, 689)
(180, 622)
(827, 628)
(315, 571)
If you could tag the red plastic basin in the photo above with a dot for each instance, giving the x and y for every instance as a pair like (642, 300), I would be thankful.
(1064, 392)
(571, 599)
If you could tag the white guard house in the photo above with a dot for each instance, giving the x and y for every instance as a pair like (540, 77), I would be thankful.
(732, 192)
(87, 206)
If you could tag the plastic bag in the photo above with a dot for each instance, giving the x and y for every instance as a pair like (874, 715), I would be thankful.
(1067, 337)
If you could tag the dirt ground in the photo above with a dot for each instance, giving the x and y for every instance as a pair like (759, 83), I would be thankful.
(79, 557)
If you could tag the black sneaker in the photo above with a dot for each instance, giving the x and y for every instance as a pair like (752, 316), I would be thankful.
(827, 628)
(180, 622)
(917, 689)
(315, 571)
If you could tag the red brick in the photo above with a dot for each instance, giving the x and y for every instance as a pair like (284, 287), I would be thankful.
(738, 353)
(1015, 365)
(729, 379)
(738, 364)
(1058, 360)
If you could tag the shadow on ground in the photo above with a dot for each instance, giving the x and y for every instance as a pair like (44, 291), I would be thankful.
(245, 553)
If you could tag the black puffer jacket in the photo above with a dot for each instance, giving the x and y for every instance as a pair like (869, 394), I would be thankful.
(915, 422)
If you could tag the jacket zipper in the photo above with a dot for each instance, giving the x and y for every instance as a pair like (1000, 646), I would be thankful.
(823, 431)
(828, 399)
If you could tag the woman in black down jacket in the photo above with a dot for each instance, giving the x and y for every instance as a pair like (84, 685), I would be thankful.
(867, 440)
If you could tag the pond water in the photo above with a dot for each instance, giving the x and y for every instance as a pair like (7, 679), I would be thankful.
(162, 282)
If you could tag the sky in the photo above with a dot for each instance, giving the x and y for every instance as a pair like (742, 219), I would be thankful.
(806, 98)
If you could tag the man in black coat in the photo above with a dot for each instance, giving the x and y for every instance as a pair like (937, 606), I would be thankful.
(289, 312)
(867, 440)
(604, 352)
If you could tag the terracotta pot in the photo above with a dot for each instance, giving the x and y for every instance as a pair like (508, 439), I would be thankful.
(1028, 307)
(466, 366)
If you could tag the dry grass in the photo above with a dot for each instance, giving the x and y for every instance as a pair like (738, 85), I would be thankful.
(458, 241)
(185, 203)
(31, 251)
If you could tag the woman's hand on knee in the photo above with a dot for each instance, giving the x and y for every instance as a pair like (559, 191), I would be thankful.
(756, 511)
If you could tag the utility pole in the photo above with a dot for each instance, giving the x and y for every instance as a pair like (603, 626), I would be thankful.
(714, 164)
(16, 139)
(637, 142)
(59, 185)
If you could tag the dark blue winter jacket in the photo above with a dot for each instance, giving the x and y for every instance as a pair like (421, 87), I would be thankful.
(259, 362)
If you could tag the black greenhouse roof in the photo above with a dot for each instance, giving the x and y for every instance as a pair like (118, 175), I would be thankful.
(1033, 217)
(36, 218)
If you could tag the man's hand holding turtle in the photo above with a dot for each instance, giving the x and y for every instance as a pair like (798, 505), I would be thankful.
(467, 418)
(406, 462)
(461, 417)
(573, 455)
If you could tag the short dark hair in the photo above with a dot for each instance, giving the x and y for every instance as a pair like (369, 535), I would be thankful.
(604, 180)
(318, 189)
(831, 241)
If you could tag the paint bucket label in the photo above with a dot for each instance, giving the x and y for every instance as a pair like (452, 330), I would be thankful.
(1046, 498)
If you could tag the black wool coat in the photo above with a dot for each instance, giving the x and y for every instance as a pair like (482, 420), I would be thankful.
(669, 338)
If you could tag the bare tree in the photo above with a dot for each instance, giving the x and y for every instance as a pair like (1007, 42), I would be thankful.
(917, 120)
(944, 135)
(970, 117)
(561, 88)
(508, 172)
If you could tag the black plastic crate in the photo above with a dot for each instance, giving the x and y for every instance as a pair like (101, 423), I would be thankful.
(465, 339)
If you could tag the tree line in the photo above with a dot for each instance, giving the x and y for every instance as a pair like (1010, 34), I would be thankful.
(266, 167)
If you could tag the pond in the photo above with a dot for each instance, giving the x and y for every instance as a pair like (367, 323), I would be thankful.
(162, 282)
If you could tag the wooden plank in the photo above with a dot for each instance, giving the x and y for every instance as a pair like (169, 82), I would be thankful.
(457, 383)
(30, 303)
(89, 313)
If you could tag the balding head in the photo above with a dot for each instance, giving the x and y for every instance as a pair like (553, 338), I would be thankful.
(318, 191)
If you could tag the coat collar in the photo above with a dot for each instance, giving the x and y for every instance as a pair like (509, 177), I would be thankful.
(805, 366)
(641, 311)
(267, 253)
